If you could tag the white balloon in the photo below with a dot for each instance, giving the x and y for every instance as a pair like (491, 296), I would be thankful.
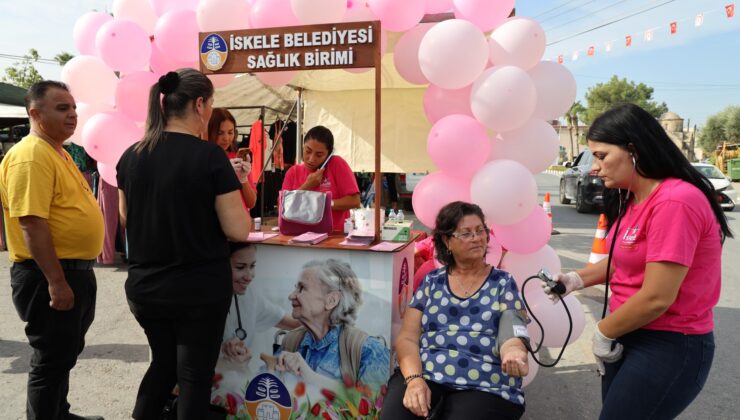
(556, 89)
(534, 145)
(503, 98)
(505, 190)
(519, 41)
(453, 54)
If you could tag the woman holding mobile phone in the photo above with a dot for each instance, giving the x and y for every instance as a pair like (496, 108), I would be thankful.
(222, 132)
(323, 171)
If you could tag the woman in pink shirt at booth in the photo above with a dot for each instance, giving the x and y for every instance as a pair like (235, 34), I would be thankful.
(222, 132)
(336, 177)
(666, 230)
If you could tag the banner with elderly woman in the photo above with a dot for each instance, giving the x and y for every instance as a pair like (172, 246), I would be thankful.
(338, 360)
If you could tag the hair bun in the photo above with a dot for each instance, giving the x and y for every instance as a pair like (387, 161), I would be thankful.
(168, 83)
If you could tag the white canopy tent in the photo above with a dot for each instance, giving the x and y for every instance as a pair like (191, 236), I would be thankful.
(344, 102)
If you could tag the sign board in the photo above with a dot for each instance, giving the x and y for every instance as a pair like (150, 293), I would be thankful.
(311, 47)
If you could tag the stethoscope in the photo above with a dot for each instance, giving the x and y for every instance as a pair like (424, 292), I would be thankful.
(240, 332)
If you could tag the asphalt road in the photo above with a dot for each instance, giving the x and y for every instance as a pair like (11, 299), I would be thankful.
(571, 390)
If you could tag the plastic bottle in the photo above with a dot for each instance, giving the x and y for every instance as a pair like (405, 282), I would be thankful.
(392, 217)
(348, 225)
(400, 216)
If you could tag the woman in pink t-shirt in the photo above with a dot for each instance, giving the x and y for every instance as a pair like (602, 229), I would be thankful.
(655, 347)
(336, 177)
(222, 132)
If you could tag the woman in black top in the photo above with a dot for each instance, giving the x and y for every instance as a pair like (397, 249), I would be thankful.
(180, 203)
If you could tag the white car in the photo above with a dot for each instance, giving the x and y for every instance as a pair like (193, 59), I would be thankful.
(726, 194)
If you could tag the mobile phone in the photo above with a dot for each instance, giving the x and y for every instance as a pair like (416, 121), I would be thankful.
(243, 152)
(328, 158)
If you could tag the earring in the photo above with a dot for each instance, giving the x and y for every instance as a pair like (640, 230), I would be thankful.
(634, 162)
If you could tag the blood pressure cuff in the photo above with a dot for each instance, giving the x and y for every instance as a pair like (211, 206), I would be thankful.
(512, 323)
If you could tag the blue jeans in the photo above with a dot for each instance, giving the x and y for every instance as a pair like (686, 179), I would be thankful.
(659, 375)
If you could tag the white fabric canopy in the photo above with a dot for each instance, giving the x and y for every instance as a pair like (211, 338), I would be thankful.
(12, 111)
(344, 102)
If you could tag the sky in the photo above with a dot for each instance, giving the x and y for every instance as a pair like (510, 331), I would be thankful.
(695, 71)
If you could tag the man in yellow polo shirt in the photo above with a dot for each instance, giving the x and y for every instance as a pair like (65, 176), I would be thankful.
(55, 232)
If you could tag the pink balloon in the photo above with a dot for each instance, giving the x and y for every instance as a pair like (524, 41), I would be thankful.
(406, 54)
(433, 192)
(527, 236)
(518, 42)
(398, 16)
(440, 102)
(438, 6)
(495, 251)
(106, 136)
(310, 12)
(533, 369)
(89, 79)
(505, 190)
(222, 15)
(108, 173)
(453, 54)
(84, 112)
(485, 14)
(556, 89)
(554, 320)
(132, 94)
(176, 35)
(221, 80)
(522, 266)
(163, 6)
(458, 145)
(423, 270)
(503, 98)
(139, 11)
(277, 78)
(272, 14)
(358, 11)
(123, 45)
(535, 145)
(85, 29)
(161, 63)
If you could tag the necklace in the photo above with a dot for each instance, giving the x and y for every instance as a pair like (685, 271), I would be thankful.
(467, 290)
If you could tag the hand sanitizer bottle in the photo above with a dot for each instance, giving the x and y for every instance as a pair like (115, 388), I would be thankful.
(392, 216)
(400, 216)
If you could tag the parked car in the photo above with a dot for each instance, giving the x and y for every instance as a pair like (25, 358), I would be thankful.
(577, 184)
(726, 194)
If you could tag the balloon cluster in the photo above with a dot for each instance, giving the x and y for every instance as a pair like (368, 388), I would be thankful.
(489, 98)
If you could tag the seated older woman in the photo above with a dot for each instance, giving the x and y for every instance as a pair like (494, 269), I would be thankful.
(328, 348)
(461, 347)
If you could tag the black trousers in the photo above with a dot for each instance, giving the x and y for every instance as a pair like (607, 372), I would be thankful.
(449, 404)
(185, 343)
(57, 337)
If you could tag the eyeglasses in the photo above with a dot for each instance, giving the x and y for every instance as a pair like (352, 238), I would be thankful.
(470, 235)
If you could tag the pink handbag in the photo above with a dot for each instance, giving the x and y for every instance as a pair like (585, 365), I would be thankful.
(302, 211)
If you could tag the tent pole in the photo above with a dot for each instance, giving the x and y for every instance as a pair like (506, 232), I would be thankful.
(378, 177)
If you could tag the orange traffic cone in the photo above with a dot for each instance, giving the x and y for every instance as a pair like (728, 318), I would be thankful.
(598, 248)
(547, 207)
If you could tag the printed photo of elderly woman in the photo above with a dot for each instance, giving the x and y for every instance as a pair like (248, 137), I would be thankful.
(328, 348)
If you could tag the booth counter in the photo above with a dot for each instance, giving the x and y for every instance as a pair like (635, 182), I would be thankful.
(385, 280)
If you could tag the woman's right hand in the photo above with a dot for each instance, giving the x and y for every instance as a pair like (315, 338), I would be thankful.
(418, 397)
(241, 168)
(236, 351)
(571, 280)
(313, 180)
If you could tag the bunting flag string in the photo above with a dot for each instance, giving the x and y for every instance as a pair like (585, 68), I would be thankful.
(648, 35)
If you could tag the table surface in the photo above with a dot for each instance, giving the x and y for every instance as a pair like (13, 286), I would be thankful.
(332, 242)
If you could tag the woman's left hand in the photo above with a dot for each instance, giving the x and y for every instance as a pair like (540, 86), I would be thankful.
(515, 363)
(294, 363)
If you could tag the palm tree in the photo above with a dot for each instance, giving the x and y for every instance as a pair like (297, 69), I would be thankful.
(575, 110)
(63, 57)
(569, 118)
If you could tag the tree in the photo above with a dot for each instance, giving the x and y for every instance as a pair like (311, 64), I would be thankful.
(572, 116)
(63, 57)
(602, 96)
(24, 74)
(721, 127)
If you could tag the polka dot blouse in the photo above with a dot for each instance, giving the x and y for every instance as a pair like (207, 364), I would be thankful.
(458, 337)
